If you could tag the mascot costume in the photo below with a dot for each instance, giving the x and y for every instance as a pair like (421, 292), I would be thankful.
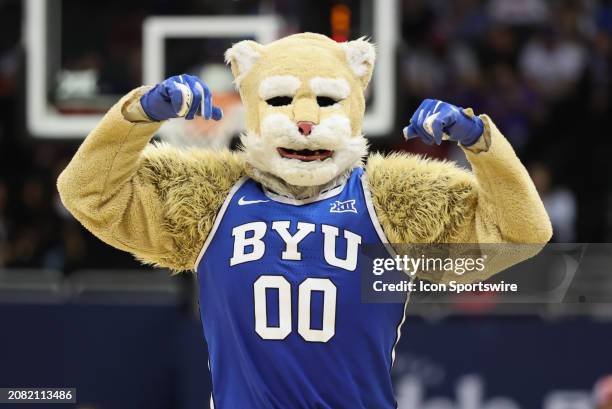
(273, 231)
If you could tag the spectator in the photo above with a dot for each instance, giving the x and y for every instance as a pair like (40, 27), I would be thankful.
(519, 12)
(558, 201)
(511, 105)
(4, 247)
(417, 20)
(603, 393)
(541, 68)
(466, 21)
(440, 68)
(499, 46)
(554, 66)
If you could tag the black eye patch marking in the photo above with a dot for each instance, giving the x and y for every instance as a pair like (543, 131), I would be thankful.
(279, 101)
(326, 101)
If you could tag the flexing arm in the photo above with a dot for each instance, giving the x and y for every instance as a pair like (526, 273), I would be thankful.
(508, 209)
(102, 189)
(134, 196)
(423, 201)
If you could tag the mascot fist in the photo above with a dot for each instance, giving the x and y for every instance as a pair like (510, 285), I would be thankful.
(436, 120)
(181, 96)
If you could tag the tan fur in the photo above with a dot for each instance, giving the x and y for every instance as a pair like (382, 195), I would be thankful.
(156, 202)
(425, 201)
(306, 56)
(419, 200)
(302, 67)
(159, 202)
(192, 185)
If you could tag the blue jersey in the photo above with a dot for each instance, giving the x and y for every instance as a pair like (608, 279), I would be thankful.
(280, 302)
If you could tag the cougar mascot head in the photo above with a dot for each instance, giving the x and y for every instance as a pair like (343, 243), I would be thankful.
(304, 100)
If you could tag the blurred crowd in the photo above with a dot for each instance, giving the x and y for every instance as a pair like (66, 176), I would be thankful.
(541, 69)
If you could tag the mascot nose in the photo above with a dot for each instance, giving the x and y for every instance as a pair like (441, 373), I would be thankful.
(305, 127)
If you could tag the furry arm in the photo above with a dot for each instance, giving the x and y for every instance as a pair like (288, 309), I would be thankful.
(425, 201)
(156, 202)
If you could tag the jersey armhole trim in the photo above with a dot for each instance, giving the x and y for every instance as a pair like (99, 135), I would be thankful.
(218, 219)
(372, 212)
(383, 238)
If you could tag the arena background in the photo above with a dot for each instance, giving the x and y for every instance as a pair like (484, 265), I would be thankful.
(75, 312)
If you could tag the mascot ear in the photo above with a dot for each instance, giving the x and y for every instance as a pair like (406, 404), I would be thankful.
(360, 55)
(241, 57)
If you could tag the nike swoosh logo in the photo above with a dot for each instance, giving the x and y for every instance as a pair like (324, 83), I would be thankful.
(242, 202)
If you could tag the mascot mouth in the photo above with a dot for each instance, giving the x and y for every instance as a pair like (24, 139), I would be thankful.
(305, 155)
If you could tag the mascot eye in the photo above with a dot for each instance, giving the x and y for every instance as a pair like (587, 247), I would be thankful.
(326, 101)
(279, 101)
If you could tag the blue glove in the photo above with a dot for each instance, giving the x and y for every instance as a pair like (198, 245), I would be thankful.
(180, 96)
(436, 120)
